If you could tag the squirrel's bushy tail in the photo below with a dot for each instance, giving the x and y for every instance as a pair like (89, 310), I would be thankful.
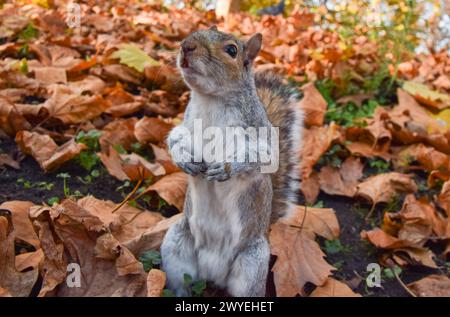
(281, 104)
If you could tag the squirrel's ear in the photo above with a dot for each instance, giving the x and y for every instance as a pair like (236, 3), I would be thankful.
(252, 48)
(213, 28)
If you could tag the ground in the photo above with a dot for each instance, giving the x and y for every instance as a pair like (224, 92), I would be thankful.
(351, 259)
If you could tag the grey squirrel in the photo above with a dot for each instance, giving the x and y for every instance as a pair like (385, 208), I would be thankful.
(229, 206)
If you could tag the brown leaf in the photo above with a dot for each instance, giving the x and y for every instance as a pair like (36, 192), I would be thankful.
(156, 280)
(444, 198)
(50, 75)
(126, 223)
(382, 240)
(22, 224)
(151, 130)
(333, 288)
(70, 107)
(45, 151)
(118, 132)
(313, 104)
(113, 164)
(11, 119)
(54, 267)
(171, 188)
(152, 237)
(299, 259)
(316, 142)
(310, 188)
(341, 181)
(163, 157)
(321, 221)
(14, 282)
(383, 187)
(431, 286)
(6, 159)
(138, 168)
(29, 260)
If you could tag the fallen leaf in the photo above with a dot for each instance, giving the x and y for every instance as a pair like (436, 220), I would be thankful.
(341, 181)
(431, 286)
(69, 107)
(18, 284)
(316, 142)
(6, 159)
(171, 188)
(151, 130)
(313, 105)
(156, 280)
(383, 187)
(321, 221)
(23, 226)
(299, 260)
(427, 96)
(134, 57)
(45, 151)
(333, 288)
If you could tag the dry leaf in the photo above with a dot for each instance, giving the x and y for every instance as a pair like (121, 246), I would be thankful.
(333, 288)
(299, 260)
(45, 151)
(156, 280)
(151, 130)
(22, 224)
(12, 281)
(313, 105)
(383, 187)
(341, 181)
(431, 286)
(171, 188)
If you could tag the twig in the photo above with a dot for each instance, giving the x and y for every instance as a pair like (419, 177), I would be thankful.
(370, 213)
(402, 284)
(128, 197)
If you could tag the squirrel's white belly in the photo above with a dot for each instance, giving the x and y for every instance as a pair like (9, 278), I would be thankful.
(215, 225)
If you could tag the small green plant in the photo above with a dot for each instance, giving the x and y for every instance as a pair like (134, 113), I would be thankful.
(389, 273)
(196, 287)
(120, 149)
(350, 114)
(333, 157)
(40, 185)
(65, 177)
(318, 204)
(380, 166)
(26, 184)
(53, 200)
(28, 33)
(167, 293)
(88, 159)
(88, 179)
(333, 246)
(150, 259)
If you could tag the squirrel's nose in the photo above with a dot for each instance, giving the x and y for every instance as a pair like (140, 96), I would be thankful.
(187, 47)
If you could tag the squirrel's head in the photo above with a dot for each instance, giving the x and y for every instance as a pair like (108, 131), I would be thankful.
(217, 63)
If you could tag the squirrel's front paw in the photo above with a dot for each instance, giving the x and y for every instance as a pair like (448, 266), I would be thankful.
(192, 168)
(219, 171)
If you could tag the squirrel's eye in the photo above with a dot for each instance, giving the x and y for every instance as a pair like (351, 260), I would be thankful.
(231, 50)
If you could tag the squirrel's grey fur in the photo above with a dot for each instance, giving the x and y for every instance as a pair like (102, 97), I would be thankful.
(223, 235)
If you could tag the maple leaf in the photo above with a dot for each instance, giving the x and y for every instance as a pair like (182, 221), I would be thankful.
(341, 181)
(427, 96)
(383, 187)
(299, 259)
(134, 57)
(313, 105)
